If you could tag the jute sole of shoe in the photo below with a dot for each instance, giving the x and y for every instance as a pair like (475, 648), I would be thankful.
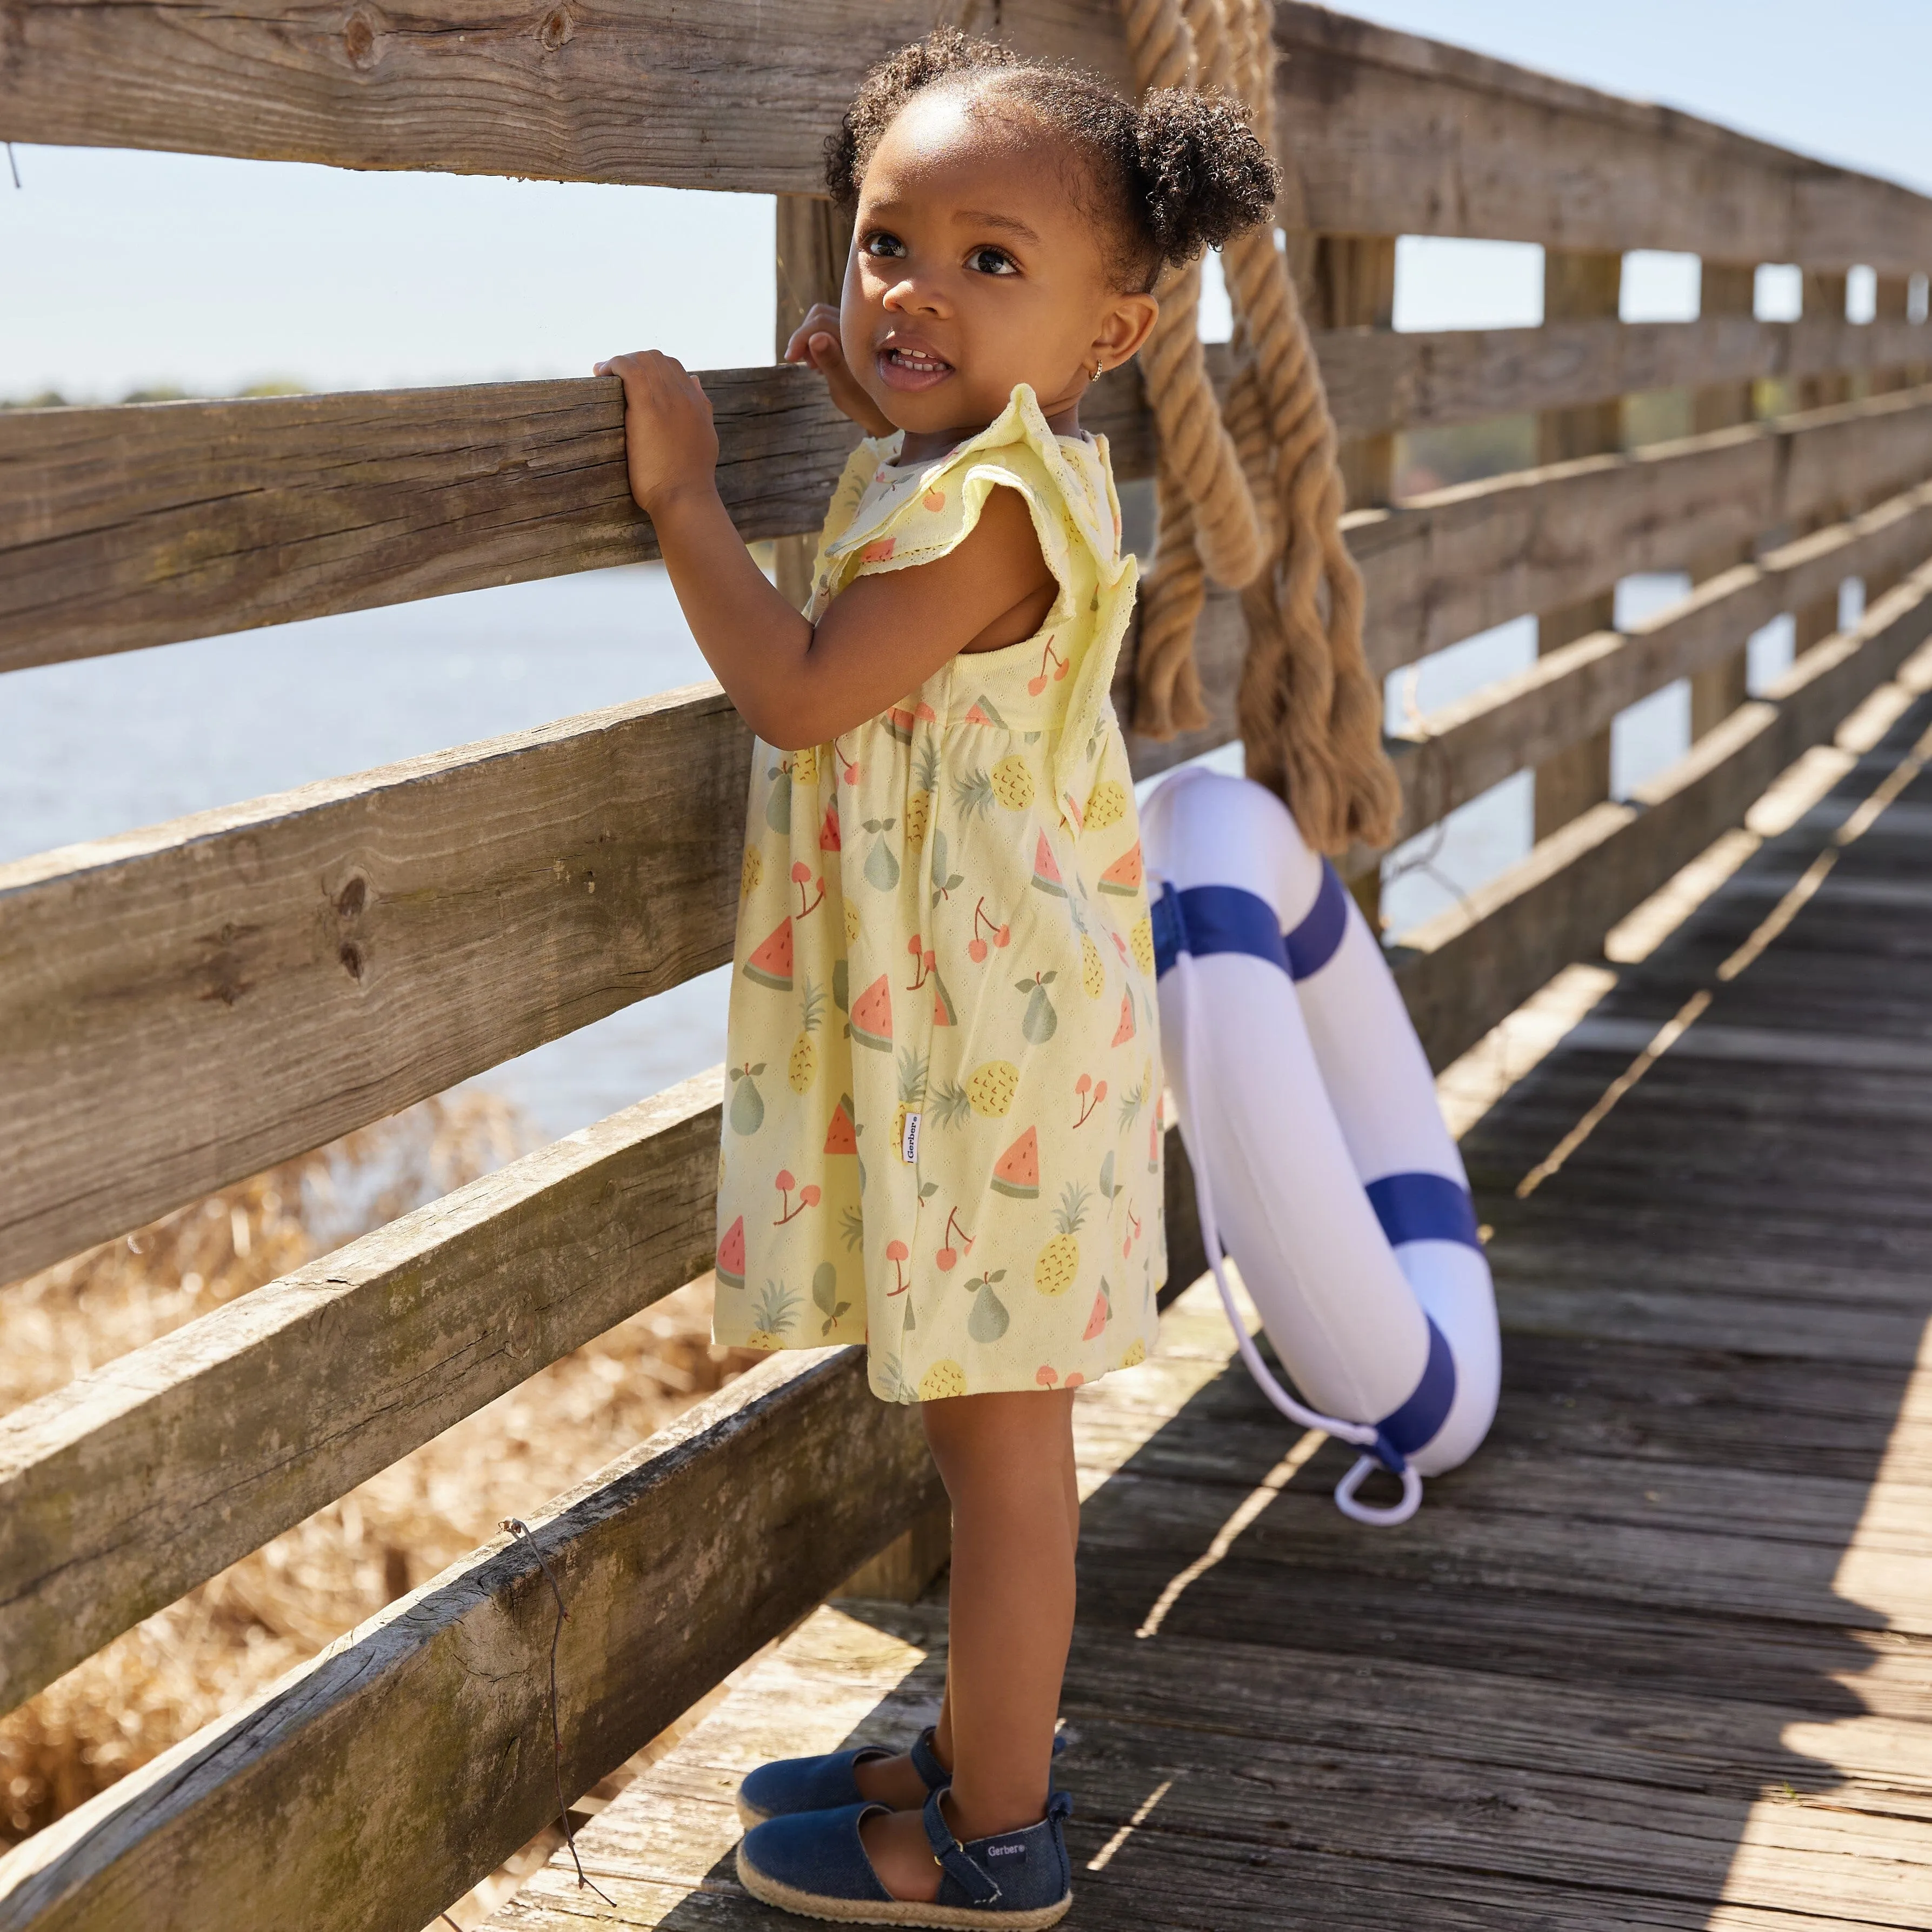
(892, 1911)
(749, 1814)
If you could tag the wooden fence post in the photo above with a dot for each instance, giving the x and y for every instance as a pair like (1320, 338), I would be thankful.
(1824, 295)
(1577, 287)
(1726, 289)
(1891, 303)
(813, 240)
(1351, 284)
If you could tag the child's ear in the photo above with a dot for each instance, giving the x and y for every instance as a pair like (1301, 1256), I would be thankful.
(1127, 324)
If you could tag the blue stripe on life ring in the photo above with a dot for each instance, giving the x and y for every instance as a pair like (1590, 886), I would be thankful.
(1314, 942)
(1399, 1434)
(1424, 1208)
(1206, 919)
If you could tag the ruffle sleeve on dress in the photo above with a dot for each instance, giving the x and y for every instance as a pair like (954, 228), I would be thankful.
(921, 512)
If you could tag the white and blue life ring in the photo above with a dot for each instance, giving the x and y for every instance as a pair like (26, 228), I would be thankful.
(1322, 1162)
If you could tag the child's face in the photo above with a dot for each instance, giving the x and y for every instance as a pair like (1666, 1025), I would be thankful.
(974, 268)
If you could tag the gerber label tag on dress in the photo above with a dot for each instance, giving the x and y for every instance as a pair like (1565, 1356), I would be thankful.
(909, 1141)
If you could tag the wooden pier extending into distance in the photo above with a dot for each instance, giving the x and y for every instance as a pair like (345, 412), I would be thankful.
(1659, 1657)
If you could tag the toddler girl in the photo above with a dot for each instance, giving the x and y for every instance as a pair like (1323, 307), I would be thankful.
(942, 1134)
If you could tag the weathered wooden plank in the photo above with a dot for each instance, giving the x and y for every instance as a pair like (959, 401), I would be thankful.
(1462, 970)
(145, 524)
(183, 1007)
(142, 525)
(1442, 567)
(1386, 134)
(1461, 751)
(412, 1757)
(135, 1482)
(1379, 380)
(139, 526)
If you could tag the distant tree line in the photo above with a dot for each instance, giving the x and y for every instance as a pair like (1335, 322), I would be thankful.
(161, 392)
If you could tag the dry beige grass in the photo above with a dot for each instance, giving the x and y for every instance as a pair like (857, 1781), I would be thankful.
(204, 1655)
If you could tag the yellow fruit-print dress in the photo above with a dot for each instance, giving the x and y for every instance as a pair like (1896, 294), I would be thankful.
(941, 1125)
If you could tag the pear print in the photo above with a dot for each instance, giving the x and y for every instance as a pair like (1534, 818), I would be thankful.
(748, 1104)
(1041, 1021)
(989, 1319)
(778, 800)
(825, 1296)
(882, 864)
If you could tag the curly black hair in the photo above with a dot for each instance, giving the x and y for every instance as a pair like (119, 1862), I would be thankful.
(1179, 173)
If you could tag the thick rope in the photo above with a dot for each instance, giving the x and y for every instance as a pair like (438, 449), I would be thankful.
(1252, 497)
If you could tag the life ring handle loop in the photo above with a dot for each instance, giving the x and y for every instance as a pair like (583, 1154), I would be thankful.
(1367, 1513)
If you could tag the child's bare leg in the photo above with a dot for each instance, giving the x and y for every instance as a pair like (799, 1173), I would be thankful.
(1007, 1463)
(892, 1780)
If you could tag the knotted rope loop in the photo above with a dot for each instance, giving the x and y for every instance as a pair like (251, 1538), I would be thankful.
(1250, 494)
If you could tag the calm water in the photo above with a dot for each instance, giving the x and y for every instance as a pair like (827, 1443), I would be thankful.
(99, 746)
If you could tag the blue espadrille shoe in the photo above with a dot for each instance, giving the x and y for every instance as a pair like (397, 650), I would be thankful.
(793, 1784)
(814, 1863)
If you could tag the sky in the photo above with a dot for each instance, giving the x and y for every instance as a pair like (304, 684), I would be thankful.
(121, 271)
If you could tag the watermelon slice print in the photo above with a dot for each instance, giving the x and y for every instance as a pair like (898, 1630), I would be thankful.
(840, 1137)
(943, 1013)
(983, 711)
(899, 722)
(1103, 1313)
(1046, 871)
(1125, 874)
(770, 963)
(1124, 1031)
(872, 1016)
(1017, 1171)
(828, 829)
(731, 1255)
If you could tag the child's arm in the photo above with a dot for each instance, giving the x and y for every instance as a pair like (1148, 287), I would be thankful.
(884, 636)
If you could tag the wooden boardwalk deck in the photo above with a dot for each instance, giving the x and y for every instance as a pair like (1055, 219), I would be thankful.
(1662, 1656)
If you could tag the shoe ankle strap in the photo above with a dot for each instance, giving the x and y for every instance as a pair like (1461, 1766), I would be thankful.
(950, 1855)
(925, 1761)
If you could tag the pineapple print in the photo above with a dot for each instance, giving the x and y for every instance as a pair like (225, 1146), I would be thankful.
(974, 793)
(805, 765)
(1141, 939)
(1013, 783)
(1093, 973)
(943, 1379)
(803, 1068)
(1106, 806)
(1135, 1356)
(750, 871)
(1059, 1262)
(912, 1091)
(777, 1310)
(925, 781)
(988, 1091)
(851, 924)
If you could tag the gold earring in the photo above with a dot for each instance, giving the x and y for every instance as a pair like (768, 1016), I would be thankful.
(1095, 375)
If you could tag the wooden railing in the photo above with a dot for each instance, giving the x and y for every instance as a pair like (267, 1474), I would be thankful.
(182, 1007)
